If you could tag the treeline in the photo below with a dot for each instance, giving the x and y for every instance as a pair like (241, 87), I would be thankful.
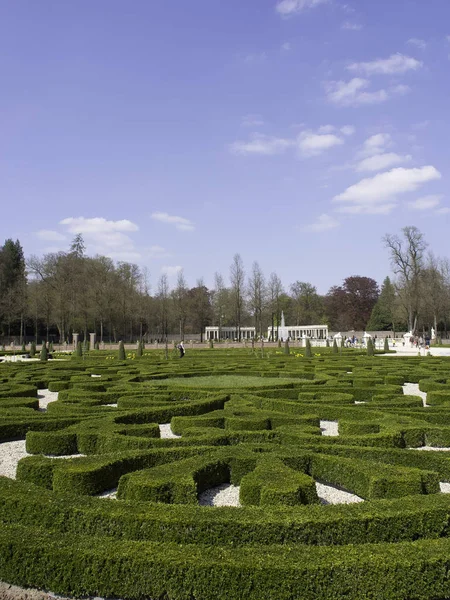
(51, 297)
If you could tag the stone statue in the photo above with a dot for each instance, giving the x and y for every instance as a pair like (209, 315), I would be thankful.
(433, 333)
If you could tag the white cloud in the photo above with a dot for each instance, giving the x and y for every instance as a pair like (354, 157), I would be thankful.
(50, 236)
(421, 125)
(326, 129)
(156, 252)
(445, 210)
(379, 162)
(313, 144)
(369, 209)
(349, 26)
(323, 223)
(381, 190)
(105, 237)
(171, 271)
(394, 65)
(286, 46)
(252, 121)
(255, 58)
(353, 93)
(418, 43)
(376, 144)
(400, 89)
(97, 225)
(308, 143)
(288, 8)
(261, 144)
(426, 202)
(180, 223)
(348, 130)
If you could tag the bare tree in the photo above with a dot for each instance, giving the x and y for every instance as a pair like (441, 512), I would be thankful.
(179, 295)
(435, 289)
(163, 302)
(407, 260)
(237, 278)
(275, 289)
(220, 301)
(257, 295)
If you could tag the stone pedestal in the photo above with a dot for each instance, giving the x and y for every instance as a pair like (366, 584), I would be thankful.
(92, 341)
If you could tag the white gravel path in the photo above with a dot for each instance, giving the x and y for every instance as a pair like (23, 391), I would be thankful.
(412, 389)
(228, 495)
(109, 494)
(329, 428)
(10, 454)
(329, 494)
(166, 431)
(224, 494)
(45, 397)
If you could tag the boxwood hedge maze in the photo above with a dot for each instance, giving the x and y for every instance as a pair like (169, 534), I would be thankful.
(320, 462)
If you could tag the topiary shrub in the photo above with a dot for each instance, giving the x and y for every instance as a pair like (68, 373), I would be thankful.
(121, 355)
(23, 347)
(279, 343)
(43, 357)
(327, 343)
(97, 346)
(286, 347)
(335, 347)
(139, 349)
(79, 350)
(33, 349)
(386, 344)
(50, 347)
(211, 344)
(308, 351)
(370, 348)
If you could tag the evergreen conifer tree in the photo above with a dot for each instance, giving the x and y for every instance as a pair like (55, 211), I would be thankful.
(308, 352)
(43, 357)
(121, 351)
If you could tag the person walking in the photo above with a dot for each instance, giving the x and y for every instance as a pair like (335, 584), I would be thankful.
(181, 349)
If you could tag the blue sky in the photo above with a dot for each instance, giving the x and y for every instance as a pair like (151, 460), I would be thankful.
(174, 134)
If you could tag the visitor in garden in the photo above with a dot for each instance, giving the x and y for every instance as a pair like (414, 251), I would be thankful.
(181, 349)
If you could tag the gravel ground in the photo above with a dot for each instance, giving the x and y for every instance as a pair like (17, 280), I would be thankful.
(329, 428)
(412, 389)
(220, 495)
(10, 454)
(13, 592)
(166, 431)
(330, 494)
(109, 494)
(45, 397)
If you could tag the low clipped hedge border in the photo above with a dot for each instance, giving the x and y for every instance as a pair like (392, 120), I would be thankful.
(272, 551)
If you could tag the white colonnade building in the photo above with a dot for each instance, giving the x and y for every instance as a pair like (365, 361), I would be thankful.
(284, 332)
